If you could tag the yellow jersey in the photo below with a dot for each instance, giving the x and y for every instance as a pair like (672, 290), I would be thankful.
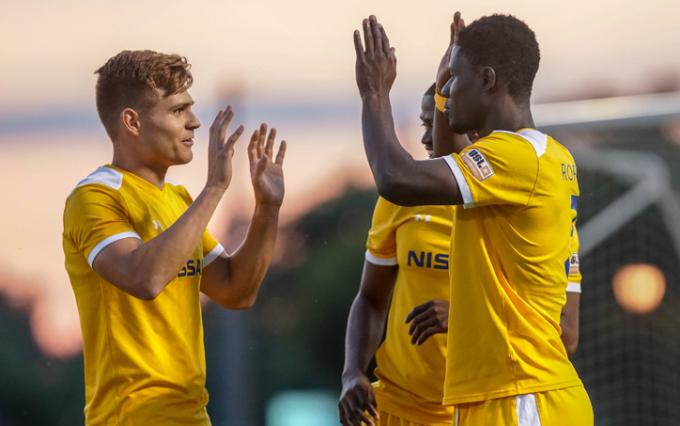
(510, 259)
(144, 359)
(410, 378)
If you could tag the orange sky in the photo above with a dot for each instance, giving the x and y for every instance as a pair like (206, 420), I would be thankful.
(282, 54)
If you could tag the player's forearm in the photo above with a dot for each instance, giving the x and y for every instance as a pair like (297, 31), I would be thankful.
(248, 265)
(155, 263)
(388, 160)
(446, 141)
(365, 326)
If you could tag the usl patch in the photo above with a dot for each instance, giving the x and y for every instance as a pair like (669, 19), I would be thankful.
(477, 164)
(574, 264)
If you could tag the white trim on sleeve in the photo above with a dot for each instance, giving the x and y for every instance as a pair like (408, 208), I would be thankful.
(379, 260)
(107, 241)
(573, 287)
(214, 253)
(460, 179)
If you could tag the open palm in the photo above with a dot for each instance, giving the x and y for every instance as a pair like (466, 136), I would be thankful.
(266, 172)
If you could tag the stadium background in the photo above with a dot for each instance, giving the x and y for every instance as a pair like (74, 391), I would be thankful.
(291, 64)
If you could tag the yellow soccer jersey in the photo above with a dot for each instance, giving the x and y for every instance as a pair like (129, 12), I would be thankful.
(144, 360)
(411, 378)
(510, 255)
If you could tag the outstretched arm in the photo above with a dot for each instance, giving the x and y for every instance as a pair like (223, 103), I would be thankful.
(144, 269)
(365, 327)
(398, 177)
(446, 140)
(233, 281)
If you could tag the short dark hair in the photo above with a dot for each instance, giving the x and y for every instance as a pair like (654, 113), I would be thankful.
(506, 44)
(129, 80)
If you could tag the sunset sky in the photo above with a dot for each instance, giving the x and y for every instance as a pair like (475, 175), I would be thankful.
(291, 63)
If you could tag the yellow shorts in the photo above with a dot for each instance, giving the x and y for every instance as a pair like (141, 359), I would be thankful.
(387, 419)
(561, 407)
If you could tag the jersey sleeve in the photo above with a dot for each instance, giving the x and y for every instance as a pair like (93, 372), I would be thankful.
(94, 218)
(498, 169)
(381, 244)
(574, 274)
(212, 249)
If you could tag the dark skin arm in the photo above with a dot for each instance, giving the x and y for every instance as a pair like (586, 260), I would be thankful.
(569, 322)
(365, 327)
(447, 141)
(398, 177)
(234, 280)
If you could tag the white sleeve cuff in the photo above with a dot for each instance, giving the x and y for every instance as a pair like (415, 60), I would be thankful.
(379, 260)
(107, 241)
(214, 253)
(573, 287)
(463, 186)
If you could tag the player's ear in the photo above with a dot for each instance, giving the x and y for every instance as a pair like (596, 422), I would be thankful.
(130, 121)
(488, 77)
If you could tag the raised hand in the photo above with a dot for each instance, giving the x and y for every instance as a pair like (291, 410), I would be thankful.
(221, 151)
(357, 404)
(427, 319)
(376, 66)
(266, 172)
(443, 72)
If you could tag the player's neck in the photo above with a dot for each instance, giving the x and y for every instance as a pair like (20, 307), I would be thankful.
(155, 175)
(508, 116)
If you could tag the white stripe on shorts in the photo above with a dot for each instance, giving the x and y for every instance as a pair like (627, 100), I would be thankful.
(527, 410)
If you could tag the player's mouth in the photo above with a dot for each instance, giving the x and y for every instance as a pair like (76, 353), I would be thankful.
(188, 142)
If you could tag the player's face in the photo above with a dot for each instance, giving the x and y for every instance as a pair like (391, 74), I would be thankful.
(465, 104)
(167, 130)
(427, 118)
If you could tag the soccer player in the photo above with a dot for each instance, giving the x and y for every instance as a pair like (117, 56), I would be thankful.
(516, 193)
(407, 256)
(138, 253)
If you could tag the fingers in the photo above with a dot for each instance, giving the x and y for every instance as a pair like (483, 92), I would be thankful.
(368, 37)
(419, 326)
(353, 409)
(282, 153)
(234, 137)
(358, 46)
(377, 36)
(252, 146)
(260, 140)
(418, 310)
(269, 146)
(425, 334)
(385, 41)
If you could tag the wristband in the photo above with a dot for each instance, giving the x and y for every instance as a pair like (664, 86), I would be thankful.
(440, 101)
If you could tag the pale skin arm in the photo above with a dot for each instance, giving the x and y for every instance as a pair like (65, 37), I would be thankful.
(365, 327)
(233, 281)
(399, 178)
(144, 269)
(569, 322)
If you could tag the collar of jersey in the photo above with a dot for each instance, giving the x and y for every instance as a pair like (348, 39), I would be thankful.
(136, 178)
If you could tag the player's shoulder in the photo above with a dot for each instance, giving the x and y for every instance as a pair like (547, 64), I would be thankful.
(524, 141)
(103, 182)
(103, 176)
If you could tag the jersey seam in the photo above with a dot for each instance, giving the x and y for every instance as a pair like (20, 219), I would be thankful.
(538, 169)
